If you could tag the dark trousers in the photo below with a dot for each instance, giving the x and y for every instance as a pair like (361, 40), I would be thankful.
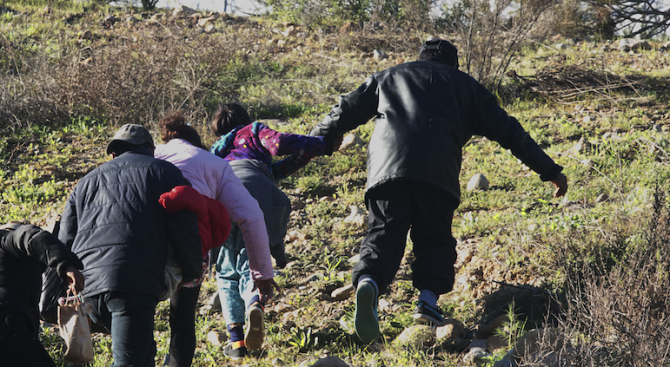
(130, 317)
(182, 326)
(19, 342)
(395, 207)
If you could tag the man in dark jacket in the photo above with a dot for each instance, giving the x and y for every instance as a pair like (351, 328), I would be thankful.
(114, 222)
(25, 252)
(425, 112)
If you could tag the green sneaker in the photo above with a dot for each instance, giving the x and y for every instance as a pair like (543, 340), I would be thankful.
(365, 317)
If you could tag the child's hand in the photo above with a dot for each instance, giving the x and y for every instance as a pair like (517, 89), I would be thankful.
(265, 288)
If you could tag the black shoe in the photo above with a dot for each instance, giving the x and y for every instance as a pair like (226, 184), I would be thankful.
(428, 315)
(231, 352)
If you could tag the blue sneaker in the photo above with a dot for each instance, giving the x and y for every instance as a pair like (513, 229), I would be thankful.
(365, 317)
(426, 314)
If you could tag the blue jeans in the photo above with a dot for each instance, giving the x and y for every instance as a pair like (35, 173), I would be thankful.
(130, 317)
(234, 278)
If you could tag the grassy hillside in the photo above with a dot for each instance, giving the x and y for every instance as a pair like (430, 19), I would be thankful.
(590, 266)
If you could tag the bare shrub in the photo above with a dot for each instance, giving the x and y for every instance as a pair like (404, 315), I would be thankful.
(489, 33)
(126, 79)
(617, 292)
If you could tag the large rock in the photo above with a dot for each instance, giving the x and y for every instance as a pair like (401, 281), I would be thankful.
(330, 361)
(415, 336)
(489, 329)
(356, 217)
(343, 293)
(216, 337)
(478, 182)
(451, 329)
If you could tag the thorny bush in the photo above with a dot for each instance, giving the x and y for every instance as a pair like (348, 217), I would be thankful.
(617, 292)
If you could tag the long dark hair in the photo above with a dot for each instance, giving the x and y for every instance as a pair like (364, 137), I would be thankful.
(229, 116)
(173, 126)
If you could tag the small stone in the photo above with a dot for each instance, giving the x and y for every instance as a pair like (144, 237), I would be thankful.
(586, 119)
(561, 46)
(379, 55)
(349, 141)
(283, 308)
(383, 305)
(504, 363)
(210, 28)
(357, 216)
(330, 361)
(354, 259)
(478, 182)
(216, 338)
(110, 19)
(416, 335)
(582, 145)
(343, 293)
(281, 43)
(477, 357)
(278, 362)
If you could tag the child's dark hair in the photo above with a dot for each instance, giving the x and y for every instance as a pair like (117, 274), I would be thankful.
(229, 116)
(173, 126)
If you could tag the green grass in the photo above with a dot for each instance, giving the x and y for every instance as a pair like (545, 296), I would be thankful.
(516, 227)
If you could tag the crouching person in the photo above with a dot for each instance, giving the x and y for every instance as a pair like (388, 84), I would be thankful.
(25, 252)
(115, 224)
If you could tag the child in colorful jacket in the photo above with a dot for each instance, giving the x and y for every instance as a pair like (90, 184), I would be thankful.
(249, 148)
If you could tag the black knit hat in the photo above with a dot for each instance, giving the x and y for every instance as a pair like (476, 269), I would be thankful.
(443, 50)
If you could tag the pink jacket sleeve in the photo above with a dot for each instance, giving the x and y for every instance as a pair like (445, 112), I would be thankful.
(245, 211)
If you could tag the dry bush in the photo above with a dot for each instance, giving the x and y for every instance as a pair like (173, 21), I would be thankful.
(617, 292)
(129, 76)
(489, 33)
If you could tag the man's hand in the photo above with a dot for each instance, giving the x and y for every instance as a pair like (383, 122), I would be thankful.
(266, 288)
(561, 183)
(76, 279)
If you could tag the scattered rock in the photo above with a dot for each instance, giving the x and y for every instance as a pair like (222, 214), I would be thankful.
(561, 46)
(379, 55)
(629, 44)
(357, 216)
(354, 259)
(343, 293)
(283, 308)
(478, 182)
(451, 329)
(182, 11)
(217, 338)
(582, 146)
(416, 335)
(478, 357)
(111, 19)
(210, 28)
(383, 305)
(330, 361)
(349, 141)
(505, 363)
(203, 22)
